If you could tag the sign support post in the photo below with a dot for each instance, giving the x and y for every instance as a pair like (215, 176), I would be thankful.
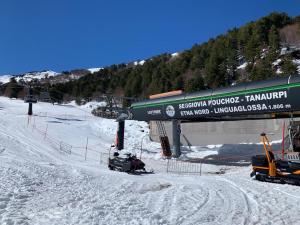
(30, 109)
(120, 134)
(176, 130)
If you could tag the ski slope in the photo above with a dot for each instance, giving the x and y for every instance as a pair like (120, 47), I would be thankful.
(43, 184)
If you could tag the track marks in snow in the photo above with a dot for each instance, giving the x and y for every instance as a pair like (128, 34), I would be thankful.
(16, 189)
(269, 206)
(38, 185)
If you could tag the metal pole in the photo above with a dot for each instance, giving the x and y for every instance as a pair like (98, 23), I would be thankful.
(120, 133)
(176, 138)
(30, 109)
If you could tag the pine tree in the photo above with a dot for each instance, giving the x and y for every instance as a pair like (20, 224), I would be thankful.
(274, 38)
(297, 20)
(262, 70)
(178, 83)
(194, 84)
(215, 70)
(252, 48)
(287, 67)
(13, 89)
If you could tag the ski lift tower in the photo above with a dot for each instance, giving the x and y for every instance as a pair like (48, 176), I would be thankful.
(30, 99)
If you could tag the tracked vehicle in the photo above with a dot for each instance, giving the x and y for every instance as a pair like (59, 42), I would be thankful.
(129, 164)
(268, 168)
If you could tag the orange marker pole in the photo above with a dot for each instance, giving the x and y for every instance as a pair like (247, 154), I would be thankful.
(282, 150)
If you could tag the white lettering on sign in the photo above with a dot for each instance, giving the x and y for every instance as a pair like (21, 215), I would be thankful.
(241, 108)
(224, 101)
(257, 107)
(186, 113)
(201, 111)
(154, 112)
(266, 96)
(230, 109)
(192, 105)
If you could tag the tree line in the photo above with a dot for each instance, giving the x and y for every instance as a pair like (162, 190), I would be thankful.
(212, 64)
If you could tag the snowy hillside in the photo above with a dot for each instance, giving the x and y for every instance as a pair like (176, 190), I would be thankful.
(29, 76)
(40, 75)
(5, 79)
(45, 179)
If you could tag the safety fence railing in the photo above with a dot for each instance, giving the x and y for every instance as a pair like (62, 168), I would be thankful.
(181, 167)
(87, 152)
(172, 166)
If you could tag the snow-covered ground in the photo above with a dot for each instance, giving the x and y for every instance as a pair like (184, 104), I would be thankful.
(89, 106)
(45, 179)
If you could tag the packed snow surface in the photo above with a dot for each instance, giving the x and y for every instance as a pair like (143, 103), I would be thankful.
(45, 179)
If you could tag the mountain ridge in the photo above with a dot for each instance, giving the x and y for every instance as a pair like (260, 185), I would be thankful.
(268, 47)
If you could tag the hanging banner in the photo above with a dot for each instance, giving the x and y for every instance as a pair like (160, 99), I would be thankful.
(272, 99)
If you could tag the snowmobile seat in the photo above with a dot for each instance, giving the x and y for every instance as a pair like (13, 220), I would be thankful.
(259, 160)
(294, 166)
(281, 164)
(287, 166)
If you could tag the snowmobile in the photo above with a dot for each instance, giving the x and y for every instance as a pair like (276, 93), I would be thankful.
(128, 164)
(267, 168)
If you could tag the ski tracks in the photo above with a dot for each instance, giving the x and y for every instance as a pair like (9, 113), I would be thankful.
(16, 189)
(267, 204)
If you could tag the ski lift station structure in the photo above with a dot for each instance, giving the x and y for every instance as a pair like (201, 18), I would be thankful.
(269, 99)
(30, 99)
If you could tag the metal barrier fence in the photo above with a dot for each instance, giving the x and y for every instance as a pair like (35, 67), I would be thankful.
(64, 147)
(158, 165)
(181, 167)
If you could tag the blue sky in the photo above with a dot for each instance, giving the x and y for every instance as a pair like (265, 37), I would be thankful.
(69, 34)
